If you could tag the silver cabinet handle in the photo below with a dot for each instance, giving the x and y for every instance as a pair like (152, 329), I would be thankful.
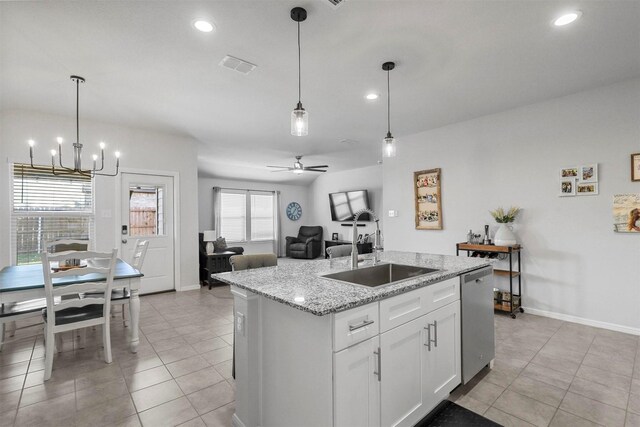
(379, 372)
(364, 323)
(124, 240)
(428, 344)
(435, 333)
(479, 280)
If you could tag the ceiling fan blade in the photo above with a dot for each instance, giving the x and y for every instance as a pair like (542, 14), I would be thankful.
(314, 170)
(283, 170)
(316, 167)
(279, 167)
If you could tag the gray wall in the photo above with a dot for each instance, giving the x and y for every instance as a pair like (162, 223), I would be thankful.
(575, 266)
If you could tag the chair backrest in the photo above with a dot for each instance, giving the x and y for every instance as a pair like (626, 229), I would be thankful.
(307, 231)
(339, 251)
(139, 252)
(63, 245)
(93, 278)
(247, 262)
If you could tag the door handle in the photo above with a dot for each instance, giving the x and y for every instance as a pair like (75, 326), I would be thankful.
(124, 240)
(428, 344)
(379, 372)
(435, 333)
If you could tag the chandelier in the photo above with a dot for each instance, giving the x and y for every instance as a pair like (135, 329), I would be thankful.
(60, 169)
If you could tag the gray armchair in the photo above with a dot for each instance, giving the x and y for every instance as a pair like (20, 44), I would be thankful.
(308, 243)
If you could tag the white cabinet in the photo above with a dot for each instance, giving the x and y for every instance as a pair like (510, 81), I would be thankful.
(420, 365)
(403, 371)
(443, 357)
(356, 385)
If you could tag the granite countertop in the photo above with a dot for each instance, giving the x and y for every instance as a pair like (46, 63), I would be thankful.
(298, 284)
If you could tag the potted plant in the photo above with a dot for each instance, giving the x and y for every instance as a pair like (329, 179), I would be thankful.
(504, 236)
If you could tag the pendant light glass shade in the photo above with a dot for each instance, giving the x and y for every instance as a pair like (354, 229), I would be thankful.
(299, 121)
(389, 146)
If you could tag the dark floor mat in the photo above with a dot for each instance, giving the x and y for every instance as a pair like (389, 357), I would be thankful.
(448, 414)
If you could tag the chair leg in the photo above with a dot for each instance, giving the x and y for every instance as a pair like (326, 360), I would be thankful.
(106, 340)
(124, 317)
(48, 352)
(58, 342)
(2, 329)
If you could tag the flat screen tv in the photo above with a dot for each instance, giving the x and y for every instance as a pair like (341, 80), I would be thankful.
(347, 203)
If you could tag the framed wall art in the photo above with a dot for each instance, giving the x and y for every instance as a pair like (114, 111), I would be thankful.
(626, 213)
(635, 167)
(569, 172)
(567, 187)
(588, 173)
(428, 199)
(587, 188)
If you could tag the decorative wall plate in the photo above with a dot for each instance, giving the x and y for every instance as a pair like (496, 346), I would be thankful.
(294, 211)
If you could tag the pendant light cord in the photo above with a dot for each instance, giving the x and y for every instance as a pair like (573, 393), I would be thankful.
(388, 105)
(78, 111)
(299, 72)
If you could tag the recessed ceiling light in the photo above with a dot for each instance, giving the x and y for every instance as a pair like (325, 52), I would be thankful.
(567, 18)
(204, 26)
(372, 96)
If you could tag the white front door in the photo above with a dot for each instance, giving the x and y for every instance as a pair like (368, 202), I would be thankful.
(147, 213)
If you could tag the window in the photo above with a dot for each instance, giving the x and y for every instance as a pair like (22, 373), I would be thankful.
(246, 216)
(146, 211)
(48, 207)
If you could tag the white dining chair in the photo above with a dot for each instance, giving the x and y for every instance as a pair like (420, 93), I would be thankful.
(68, 314)
(12, 312)
(121, 296)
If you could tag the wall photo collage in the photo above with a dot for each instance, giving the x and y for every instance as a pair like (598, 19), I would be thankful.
(579, 180)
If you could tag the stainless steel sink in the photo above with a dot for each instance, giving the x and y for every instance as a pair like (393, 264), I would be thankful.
(380, 275)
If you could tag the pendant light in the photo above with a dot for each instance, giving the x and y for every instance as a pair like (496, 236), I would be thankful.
(299, 116)
(77, 168)
(389, 142)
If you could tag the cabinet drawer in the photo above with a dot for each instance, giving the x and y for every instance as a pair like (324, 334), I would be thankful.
(356, 325)
(408, 306)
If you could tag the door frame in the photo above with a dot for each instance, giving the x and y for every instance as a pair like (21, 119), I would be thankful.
(177, 284)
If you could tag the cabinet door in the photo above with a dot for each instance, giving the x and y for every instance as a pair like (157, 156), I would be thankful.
(402, 368)
(442, 360)
(356, 385)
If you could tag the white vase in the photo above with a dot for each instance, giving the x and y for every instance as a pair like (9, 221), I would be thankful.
(504, 236)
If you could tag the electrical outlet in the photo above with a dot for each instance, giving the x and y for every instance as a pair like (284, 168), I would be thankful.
(240, 324)
(393, 213)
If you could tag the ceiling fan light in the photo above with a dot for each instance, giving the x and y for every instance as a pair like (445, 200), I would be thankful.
(299, 121)
(298, 171)
(389, 146)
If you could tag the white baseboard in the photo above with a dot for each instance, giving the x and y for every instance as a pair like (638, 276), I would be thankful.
(583, 321)
(189, 288)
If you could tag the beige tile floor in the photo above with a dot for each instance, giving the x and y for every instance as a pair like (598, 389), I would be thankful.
(553, 373)
(181, 374)
(547, 372)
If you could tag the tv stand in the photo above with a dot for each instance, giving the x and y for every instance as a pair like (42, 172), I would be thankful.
(363, 248)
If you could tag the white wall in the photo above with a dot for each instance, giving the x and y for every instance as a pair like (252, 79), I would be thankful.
(369, 178)
(141, 149)
(575, 265)
(288, 193)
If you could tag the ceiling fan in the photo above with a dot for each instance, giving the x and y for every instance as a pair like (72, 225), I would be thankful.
(299, 168)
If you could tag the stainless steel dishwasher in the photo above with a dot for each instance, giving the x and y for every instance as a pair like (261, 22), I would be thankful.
(478, 334)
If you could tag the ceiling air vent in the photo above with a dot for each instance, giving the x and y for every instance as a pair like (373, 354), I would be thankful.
(237, 64)
(336, 3)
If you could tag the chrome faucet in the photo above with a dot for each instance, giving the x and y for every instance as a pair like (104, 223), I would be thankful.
(376, 239)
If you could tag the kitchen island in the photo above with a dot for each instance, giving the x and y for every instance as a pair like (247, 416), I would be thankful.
(317, 352)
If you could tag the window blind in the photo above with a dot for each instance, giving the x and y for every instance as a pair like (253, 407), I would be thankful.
(47, 207)
(261, 217)
(233, 216)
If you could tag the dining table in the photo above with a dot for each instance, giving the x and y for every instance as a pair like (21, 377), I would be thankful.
(26, 282)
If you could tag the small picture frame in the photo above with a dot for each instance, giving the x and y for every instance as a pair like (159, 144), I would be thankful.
(567, 187)
(588, 173)
(359, 237)
(635, 167)
(569, 172)
(587, 188)
(334, 236)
